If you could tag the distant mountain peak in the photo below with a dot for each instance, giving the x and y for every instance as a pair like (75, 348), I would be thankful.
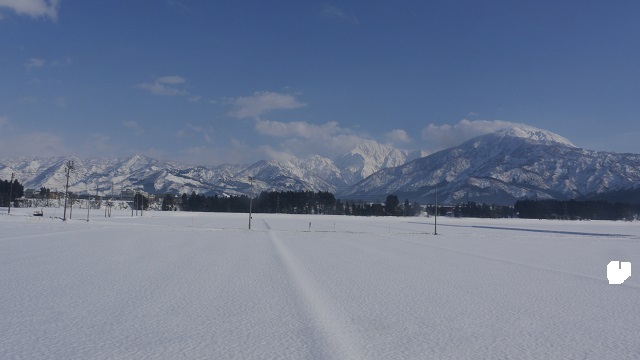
(368, 157)
(535, 135)
(513, 163)
(368, 147)
(503, 166)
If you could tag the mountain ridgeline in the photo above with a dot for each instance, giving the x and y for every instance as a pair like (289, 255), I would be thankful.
(505, 166)
(502, 167)
(109, 177)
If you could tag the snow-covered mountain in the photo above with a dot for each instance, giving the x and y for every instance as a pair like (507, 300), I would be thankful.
(500, 167)
(111, 176)
(369, 157)
(497, 168)
(108, 176)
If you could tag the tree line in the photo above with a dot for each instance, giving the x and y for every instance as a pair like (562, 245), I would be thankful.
(575, 210)
(473, 209)
(322, 202)
(6, 189)
(290, 202)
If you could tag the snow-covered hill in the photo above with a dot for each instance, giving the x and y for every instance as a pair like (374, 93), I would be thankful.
(503, 166)
(111, 176)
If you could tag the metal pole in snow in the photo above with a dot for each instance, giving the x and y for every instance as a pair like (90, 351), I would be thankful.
(435, 220)
(251, 178)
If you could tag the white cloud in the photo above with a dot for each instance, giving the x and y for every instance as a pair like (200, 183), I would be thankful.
(15, 141)
(398, 136)
(335, 12)
(191, 130)
(302, 138)
(444, 136)
(37, 63)
(166, 86)
(298, 129)
(34, 63)
(64, 61)
(261, 102)
(205, 132)
(46, 143)
(237, 152)
(270, 153)
(281, 142)
(40, 143)
(133, 125)
(33, 8)
(98, 144)
(183, 134)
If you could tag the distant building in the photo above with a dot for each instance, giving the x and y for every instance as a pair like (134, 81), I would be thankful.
(127, 194)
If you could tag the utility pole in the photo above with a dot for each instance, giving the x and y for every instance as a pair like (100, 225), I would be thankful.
(251, 178)
(435, 220)
(11, 192)
(68, 170)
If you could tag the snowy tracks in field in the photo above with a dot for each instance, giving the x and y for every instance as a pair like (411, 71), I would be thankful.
(334, 338)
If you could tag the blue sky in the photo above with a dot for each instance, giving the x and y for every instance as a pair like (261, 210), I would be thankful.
(209, 82)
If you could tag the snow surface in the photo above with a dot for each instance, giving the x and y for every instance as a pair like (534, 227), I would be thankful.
(536, 135)
(203, 286)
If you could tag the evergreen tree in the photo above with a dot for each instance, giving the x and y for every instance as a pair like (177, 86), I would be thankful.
(168, 203)
(391, 204)
(16, 191)
(406, 208)
(416, 208)
(184, 202)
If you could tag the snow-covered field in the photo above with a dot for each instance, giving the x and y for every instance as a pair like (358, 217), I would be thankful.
(193, 285)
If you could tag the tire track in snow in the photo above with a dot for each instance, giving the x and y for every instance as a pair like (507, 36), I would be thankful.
(341, 342)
